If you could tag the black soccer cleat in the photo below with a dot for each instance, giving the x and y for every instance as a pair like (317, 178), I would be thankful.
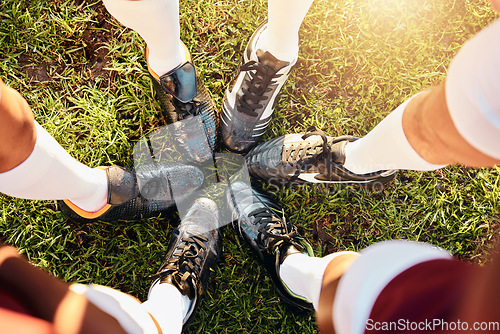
(183, 95)
(249, 101)
(194, 249)
(143, 193)
(262, 225)
(310, 158)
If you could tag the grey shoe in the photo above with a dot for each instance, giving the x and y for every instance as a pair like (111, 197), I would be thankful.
(141, 193)
(249, 101)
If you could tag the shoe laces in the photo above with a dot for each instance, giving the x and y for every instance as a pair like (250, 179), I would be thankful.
(184, 265)
(305, 154)
(261, 82)
(273, 231)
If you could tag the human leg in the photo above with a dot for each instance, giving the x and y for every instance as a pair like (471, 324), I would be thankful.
(386, 146)
(281, 37)
(456, 122)
(38, 301)
(194, 249)
(35, 166)
(348, 306)
(157, 22)
(261, 224)
(396, 286)
(46, 301)
(344, 286)
(17, 129)
(48, 172)
(178, 85)
(299, 268)
(272, 51)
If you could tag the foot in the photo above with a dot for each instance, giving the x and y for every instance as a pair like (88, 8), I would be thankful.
(310, 158)
(249, 101)
(143, 193)
(262, 225)
(183, 96)
(194, 249)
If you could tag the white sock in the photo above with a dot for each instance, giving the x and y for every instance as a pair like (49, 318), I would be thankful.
(281, 37)
(168, 306)
(303, 274)
(50, 173)
(157, 21)
(385, 147)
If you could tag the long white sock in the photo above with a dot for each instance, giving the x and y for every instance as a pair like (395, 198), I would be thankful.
(303, 274)
(50, 173)
(168, 306)
(157, 21)
(385, 147)
(281, 37)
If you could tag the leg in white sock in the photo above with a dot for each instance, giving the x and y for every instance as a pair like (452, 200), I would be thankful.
(281, 38)
(50, 173)
(168, 306)
(157, 21)
(299, 268)
(385, 147)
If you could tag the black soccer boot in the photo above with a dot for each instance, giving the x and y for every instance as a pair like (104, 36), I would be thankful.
(310, 158)
(143, 193)
(261, 224)
(194, 249)
(183, 96)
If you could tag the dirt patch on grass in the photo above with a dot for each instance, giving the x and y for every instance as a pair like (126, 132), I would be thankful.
(36, 73)
(95, 36)
(322, 237)
(96, 33)
(296, 111)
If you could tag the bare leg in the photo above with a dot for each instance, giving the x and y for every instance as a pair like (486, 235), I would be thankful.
(50, 299)
(17, 128)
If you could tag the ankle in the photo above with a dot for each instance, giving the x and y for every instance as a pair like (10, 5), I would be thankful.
(98, 197)
(160, 63)
(299, 268)
(284, 50)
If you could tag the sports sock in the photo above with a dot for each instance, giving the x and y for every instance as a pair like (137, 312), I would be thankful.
(157, 21)
(168, 306)
(281, 37)
(385, 147)
(299, 268)
(50, 173)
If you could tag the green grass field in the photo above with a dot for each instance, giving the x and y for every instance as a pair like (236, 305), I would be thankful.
(85, 77)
